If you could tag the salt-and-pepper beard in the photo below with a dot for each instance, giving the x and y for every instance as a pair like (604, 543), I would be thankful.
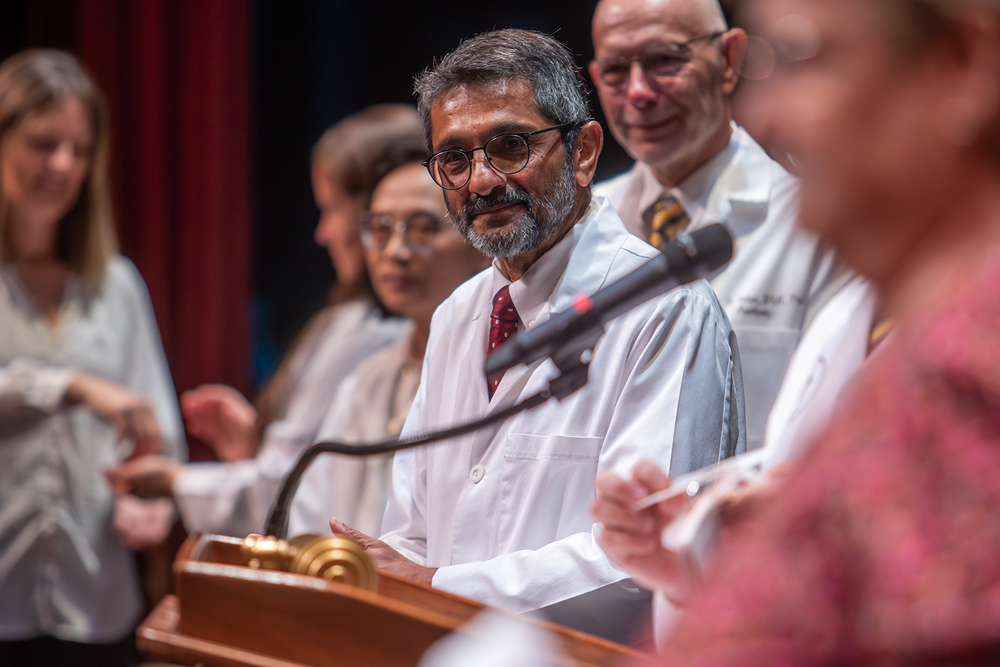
(542, 218)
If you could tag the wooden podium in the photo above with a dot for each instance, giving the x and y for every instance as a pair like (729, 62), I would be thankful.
(226, 613)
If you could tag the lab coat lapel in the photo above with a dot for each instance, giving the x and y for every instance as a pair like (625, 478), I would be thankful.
(461, 397)
(742, 192)
(588, 269)
(590, 265)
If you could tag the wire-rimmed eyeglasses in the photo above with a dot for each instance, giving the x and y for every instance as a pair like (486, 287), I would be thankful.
(661, 63)
(419, 229)
(508, 153)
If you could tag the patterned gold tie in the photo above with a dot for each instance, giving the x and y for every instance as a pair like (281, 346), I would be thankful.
(667, 219)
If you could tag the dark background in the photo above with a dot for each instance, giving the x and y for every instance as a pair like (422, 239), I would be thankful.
(308, 63)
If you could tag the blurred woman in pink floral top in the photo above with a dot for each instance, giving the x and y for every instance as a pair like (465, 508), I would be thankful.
(882, 544)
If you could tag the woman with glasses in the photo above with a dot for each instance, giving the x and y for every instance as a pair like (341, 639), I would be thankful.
(415, 260)
(258, 447)
(347, 161)
(882, 544)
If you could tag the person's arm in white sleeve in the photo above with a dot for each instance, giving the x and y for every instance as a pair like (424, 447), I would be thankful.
(147, 373)
(408, 496)
(27, 384)
(234, 498)
(316, 498)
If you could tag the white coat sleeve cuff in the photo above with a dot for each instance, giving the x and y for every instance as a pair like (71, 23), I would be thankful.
(212, 497)
(37, 385)
(523, 581)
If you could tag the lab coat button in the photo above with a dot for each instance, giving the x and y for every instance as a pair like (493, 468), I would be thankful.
(476, 474)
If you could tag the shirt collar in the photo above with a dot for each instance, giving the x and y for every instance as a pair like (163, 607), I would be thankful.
(532, 294)
(749, 183)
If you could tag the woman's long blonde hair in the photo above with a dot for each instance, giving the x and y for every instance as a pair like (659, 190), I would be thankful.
(33, 81)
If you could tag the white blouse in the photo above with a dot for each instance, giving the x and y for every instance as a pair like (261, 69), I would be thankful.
(62, 570)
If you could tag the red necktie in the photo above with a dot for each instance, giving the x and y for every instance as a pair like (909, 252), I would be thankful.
(503, 325)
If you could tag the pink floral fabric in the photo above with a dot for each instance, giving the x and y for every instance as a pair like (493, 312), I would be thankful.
(883, 545)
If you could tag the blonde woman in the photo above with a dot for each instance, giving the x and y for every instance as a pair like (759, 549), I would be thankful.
(83, 378)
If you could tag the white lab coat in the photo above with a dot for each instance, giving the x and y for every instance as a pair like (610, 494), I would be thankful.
(828, 357)
(779, 276)
(234, 498)
(831, 351)
(505, 513)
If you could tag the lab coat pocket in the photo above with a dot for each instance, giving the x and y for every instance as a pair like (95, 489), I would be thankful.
(547, 484)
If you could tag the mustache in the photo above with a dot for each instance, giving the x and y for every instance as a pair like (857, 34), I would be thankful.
(510, 195)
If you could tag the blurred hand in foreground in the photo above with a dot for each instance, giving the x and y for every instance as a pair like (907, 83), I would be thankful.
(222, 418)
(141, 524)
(632, 539)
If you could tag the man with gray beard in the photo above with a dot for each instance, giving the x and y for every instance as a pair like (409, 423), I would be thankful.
(502, 515)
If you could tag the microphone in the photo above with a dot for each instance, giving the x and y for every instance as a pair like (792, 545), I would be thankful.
(686, 258)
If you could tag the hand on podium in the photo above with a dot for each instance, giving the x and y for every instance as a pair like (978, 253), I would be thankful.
(383, 556)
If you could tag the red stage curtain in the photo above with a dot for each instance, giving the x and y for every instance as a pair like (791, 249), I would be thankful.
(176, 74)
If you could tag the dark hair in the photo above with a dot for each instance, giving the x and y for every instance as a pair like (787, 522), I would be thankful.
(362, 148)
(36, 80)
(503, 56)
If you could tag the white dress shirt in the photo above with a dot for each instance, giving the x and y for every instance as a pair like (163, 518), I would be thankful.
(831, 351)
(62, 570)
(779, 277)
(371, 404)
(234, 498)
(504, 513)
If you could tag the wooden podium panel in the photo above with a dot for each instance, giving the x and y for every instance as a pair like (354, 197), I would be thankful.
(228, 614)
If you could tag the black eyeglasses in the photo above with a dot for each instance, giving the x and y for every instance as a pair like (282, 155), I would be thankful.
(419, 229)
(661, 63)
(508, 153)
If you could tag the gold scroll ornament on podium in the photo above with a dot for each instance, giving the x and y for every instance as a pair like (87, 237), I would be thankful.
(331, 557)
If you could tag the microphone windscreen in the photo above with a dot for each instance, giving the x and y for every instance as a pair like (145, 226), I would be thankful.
(714, 244)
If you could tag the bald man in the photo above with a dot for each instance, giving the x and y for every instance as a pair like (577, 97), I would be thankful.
(665, 72)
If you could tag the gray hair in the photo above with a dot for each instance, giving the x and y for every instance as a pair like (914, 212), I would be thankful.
(504, 56)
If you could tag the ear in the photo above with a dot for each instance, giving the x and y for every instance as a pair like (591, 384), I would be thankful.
(588, 146)
(592, 68)
(734, 45)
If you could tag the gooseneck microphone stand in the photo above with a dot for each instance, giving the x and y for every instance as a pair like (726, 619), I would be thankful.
(277, 520)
